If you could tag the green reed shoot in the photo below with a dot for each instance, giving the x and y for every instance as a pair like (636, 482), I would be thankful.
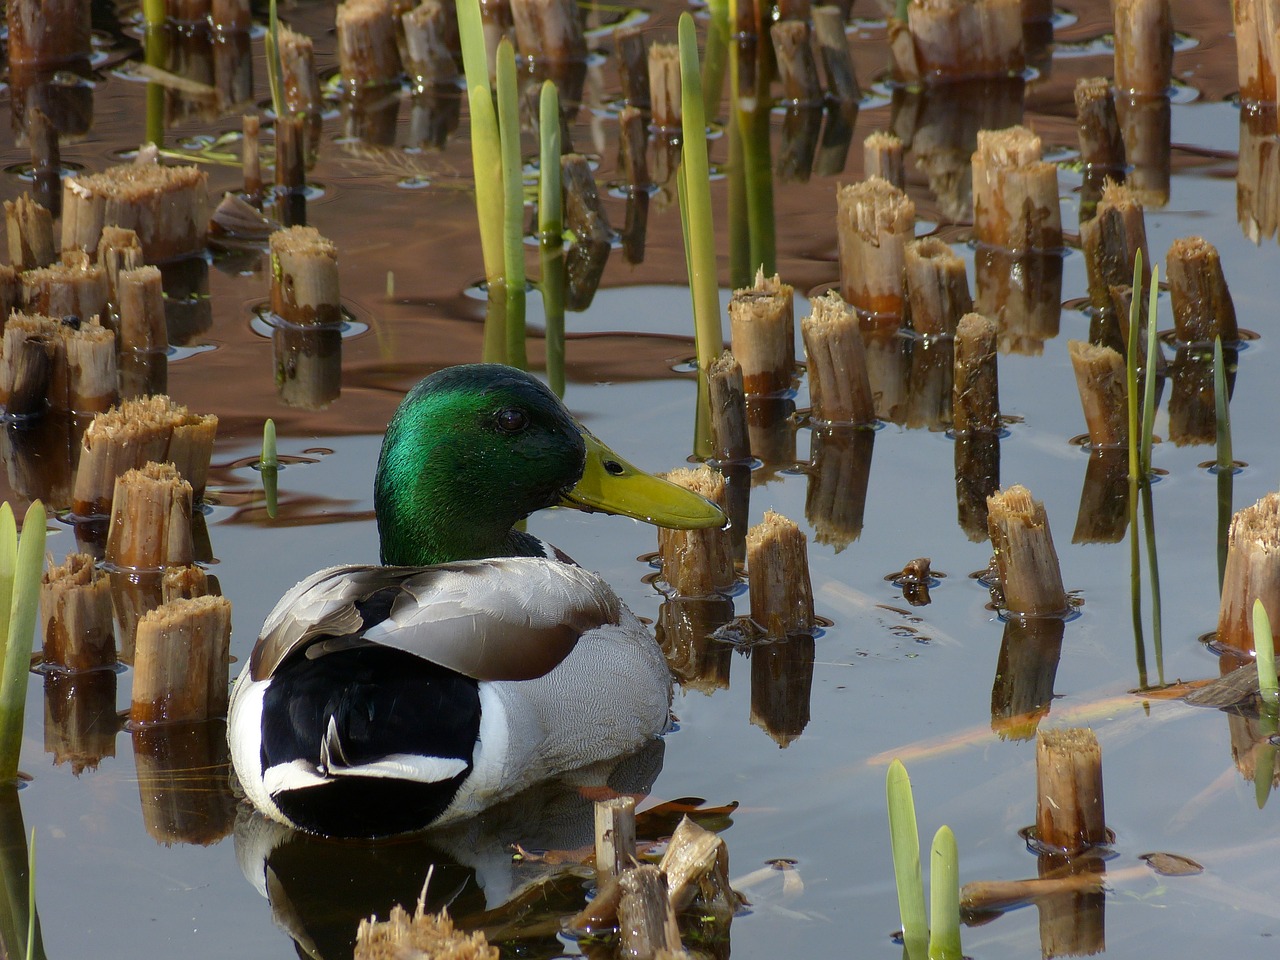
(486, 149)
(751, 119)
(695, 190)
(715, 56)
(154, 13)
(944, 897)
(1149, 377)
(21, 566)
(1225, 459)
(513, 202)
(275, 70)
(31, 896)
(1131, 368)
(551, 231)
(269, 467)
(1265, 655)
(904, 839)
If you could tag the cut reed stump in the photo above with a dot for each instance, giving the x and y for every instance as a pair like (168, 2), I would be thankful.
(430, 35)
(150, 519)
(1103, 516)
(130, 435)
(1252, 572)
(633, 143)
(782, 686)
(74, 288)
(1101, 145)
(633, 66)
(77, 373)
(839, 385)
(300, 80)
(697, 563)
(46, 33)
(874, 222)
(778, 572)
(1069, 811)
(251, 158)
(1143, 47)
(1015, 193)
(797, 68)
(615, 821)
(142, 325)
(118, 250)
(168, 207)
(882, 157)
(1111, 241)
(1030, 578)
(664, 86)
(30, 233)
(837, 63)
(975, 402)
(646, 920)
(937, 287)
(1255, 23)
(698, 661)
(696, 865)
(839, 471)
(46, 159)
(1202, 304)
(181, 662)
(367, 52)
(1022, 293)
(762, 331)
(75, 607)
(80, 721)
(951, 40)
(1100, 378)
(730, 440)
(586, 219)
(549, 30)
(1022, 692)
(183, 788)
(405, 937)
(304, 278)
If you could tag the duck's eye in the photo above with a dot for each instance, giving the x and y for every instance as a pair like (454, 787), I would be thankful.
(512, 420)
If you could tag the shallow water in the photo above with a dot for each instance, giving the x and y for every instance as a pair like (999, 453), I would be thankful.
(114, 876)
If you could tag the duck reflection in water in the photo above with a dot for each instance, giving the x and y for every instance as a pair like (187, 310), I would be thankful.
(320, 889)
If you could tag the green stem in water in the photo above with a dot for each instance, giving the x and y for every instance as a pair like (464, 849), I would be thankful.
(1225, 457)
(904, 838)
(275, 70)
(550, 232)
(1135, 580)
(269, 467)
(20, 615)
(695, 178)
(1157, 618)
(513, 203)
(1149, 379)
(1131, 368)
(944, 897)
(486, 149)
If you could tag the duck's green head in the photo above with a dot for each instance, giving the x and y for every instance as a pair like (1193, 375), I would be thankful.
(474, 449)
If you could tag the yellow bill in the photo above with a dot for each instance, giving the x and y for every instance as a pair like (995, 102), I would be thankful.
(612, 485)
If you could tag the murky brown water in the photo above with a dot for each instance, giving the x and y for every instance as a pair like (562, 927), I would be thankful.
(135, 861)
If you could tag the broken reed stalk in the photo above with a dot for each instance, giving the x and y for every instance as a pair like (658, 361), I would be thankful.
(778, 572)
(1202, 306)
(150, 519)
(837, 63)
(1100, 378)
(937, 287)
(28, 373)
(633, 66)
(142, 325)
(1015, 193)
(882, 157)
(367, 53)
(950, 40)
(796, 67)
(74, 288)
(696, 865)
(132, 434)
(975, 399)
(304, 278)
(119, 249)
(697, 563)
(874, 222)
(430, 32)
(1101, 145)
(1027, 561)
(181, 662)
(633, 142)
(81, 376)
(664, 86)
(168, 207)
(646, 920)
(839, 385)
(45, 33)
(1069, 810)
(1111, 241)
(422, 935)
(1255, 23)
(75, 608)
(762, 332)
(1143, 47)
(30, 233)
(1252, 572)
(298, 76)
(250, 158)
(730, 440)
(290, 167)
(549, 30)
(615, 821)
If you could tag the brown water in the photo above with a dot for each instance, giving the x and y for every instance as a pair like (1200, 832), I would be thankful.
(134, 862)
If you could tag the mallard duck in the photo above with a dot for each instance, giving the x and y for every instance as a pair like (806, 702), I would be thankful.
(477, 659)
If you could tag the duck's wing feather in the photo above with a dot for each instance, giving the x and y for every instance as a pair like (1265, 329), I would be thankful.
(512, 618)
